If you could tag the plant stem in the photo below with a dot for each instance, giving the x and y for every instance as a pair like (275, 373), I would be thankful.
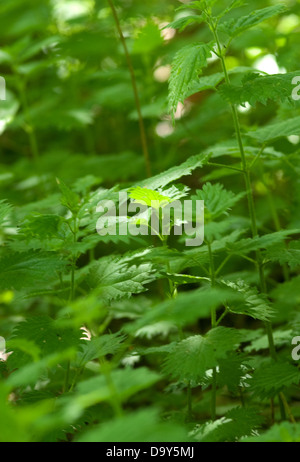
(135, 90)
(250, 198)
(213, 280)
(29, 126)
(287, 407)
(257, 157)
(239, 140)
(249, 192)
(276, 220)
(213, 324)
(222, 264)
(72, 291)
(229, 167)
(72, 294)
(222, 316)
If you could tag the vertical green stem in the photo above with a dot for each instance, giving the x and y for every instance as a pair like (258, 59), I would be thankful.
(250, 199)
(249, 192)
(135, 90)
(213, 324)
(72, 290)
(72, 295)
(287, 407)
(30, 130)
(172, 286)
(213, 281)
(276, 219)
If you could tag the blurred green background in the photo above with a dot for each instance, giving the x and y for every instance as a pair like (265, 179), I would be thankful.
(70, 108)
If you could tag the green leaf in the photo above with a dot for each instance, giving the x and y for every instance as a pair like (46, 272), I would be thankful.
(47, 335)
(29, 269)
(114, 278)
(69, 198)
(255, 305)
(142, 426)
(147, 196)
(278, 130)
(238, 422)
(207, 82)
(269, 380)
(210, 82)
(235, 27)
(42, 227)
(5, 210)
(199, 302)
(192, 357)
(231, 371)
(182, 23)
(126, 383)
(281, 338)
(24, 345)
(284, 432)
(200, 256)
(217, 199)
(187, 66)
(162, 329)
(256, 88)
(245, 246)
(285, 254)
(184, 169)
(100, 347)
(30, 373)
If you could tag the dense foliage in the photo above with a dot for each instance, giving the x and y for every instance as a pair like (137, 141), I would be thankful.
(141, 338)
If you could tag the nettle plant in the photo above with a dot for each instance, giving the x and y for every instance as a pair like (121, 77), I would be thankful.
(157, 341)
(184, 81)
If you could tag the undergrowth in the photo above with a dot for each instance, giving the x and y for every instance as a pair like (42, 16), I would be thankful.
(115, 337)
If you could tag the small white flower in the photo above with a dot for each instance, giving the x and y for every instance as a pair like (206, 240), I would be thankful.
(86, 334)
(131, 360)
